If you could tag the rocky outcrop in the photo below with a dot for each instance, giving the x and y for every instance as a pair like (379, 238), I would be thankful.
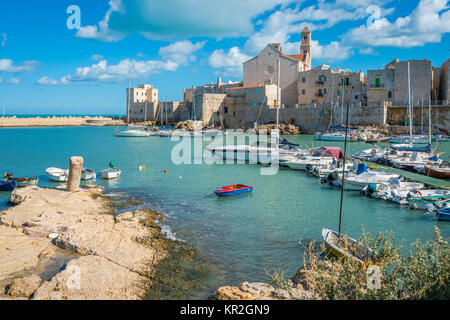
(24, 287)
(285, 129)
(119, 253)
(189, 125)
(263, 291)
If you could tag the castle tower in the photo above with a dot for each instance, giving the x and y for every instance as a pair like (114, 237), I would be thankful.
(305, 47)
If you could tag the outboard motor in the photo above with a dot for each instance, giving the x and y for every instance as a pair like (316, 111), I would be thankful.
(330, 178)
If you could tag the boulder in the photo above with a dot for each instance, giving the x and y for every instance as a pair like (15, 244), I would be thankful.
(232, 293)
(24, 287)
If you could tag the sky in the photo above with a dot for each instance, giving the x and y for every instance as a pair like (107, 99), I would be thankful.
(78, 56)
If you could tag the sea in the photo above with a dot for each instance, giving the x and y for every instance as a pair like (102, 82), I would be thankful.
(245, 238)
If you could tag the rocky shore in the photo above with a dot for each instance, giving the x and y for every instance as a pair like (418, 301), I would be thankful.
(12, 122)
(70, 245)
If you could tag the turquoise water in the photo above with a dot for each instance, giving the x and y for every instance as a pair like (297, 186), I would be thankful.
(244, 236)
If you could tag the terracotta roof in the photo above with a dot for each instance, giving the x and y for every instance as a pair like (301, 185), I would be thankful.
(234, 88)
(300, 57)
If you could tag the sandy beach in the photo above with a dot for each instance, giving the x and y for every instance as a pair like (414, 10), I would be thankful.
(12, 122)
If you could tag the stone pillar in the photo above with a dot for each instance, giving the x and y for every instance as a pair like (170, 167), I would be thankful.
(76, 166)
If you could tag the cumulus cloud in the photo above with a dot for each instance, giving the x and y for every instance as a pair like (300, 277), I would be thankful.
(169, 19)
(10, 81)
(230, 63)
(7, 65)
(97, 57)
(173, 55)
(181, 52)
(426, 24)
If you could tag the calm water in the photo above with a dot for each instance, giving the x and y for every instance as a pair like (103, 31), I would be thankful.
(244, 236)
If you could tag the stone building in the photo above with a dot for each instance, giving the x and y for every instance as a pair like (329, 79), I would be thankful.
(324, 85)
(263, 69)
(444, 82)
(391, 83)
(244, 105)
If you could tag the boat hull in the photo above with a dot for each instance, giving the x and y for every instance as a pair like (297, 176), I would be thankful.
(26, 182)
(436, 173)
(227, 192)
(109, 174)
(8, 185)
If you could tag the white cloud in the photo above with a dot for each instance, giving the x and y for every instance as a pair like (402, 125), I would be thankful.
(97, 57)
(426, 24)
(3, 38)
(181, 52)
(13, 81)
(229, 62)
(169, 19)
(7, 65)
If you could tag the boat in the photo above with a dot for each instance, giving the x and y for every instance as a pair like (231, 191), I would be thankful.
(9, 185)
(342, 246)
(57, 174)
(438, 172)
(335, 136)
(130, 132)
(407, 139)
(26, 182)
(324, 156)
(424, 199)
(111, 173)
(443, 214)
(88, 174)
(441, 210)
(233, 190)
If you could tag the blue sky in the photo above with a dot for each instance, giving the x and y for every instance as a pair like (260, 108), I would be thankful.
(47, 68)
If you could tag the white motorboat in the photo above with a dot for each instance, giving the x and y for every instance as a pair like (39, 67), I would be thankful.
(57, 174)
(88, 174)
(336, 136)
(111, 173)
(417, 139)
(133, 133)
(324, 156)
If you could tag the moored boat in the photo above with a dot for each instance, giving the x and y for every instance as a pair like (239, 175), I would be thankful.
(438, 172)
(342, 246)
(26, 182)
(111, 173)
(57, 174)
(8, 185)
(88, 174)
(233, 190)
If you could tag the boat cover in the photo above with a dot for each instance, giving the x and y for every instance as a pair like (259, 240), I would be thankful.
(426, 149)
(361, 169)
(331, 152)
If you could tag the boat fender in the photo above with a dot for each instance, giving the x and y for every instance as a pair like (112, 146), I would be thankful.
(420, 193)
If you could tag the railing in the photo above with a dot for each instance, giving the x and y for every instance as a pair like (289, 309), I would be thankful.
(380, 86)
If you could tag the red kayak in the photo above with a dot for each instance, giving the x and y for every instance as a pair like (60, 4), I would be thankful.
(234, 190)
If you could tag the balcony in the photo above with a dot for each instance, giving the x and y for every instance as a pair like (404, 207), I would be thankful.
(374, 86)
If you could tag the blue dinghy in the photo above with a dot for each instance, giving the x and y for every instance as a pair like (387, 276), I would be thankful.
(9, 185)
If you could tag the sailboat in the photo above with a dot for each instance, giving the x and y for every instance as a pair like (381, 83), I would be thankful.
(132, 131)
(338, 244)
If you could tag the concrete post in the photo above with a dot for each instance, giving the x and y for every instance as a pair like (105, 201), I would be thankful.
(76, 166)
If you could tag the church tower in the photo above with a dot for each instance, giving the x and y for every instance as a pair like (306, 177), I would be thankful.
(305, 47)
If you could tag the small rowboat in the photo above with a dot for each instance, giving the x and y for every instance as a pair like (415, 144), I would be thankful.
(437, 172)
(111, 173)
(88, 174)
(9, 185)
(344, 246)
(56, 174)
(233, 190)
(25, 182)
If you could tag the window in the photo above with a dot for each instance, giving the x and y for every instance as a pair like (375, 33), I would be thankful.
(325, 90)
(226, 109)
(389, 94)
(234, 114)
(303, 92)
(303, 79)
(377, 82)
(347, 81)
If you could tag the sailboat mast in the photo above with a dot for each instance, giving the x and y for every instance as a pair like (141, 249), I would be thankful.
(421, 127)
(409, 105)
(278, 96)
(342, 103)
(128, 105)
(145, 111)
(429, 120)
(343, 173)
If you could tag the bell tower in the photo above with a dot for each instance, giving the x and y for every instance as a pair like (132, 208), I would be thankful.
(305, 47)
